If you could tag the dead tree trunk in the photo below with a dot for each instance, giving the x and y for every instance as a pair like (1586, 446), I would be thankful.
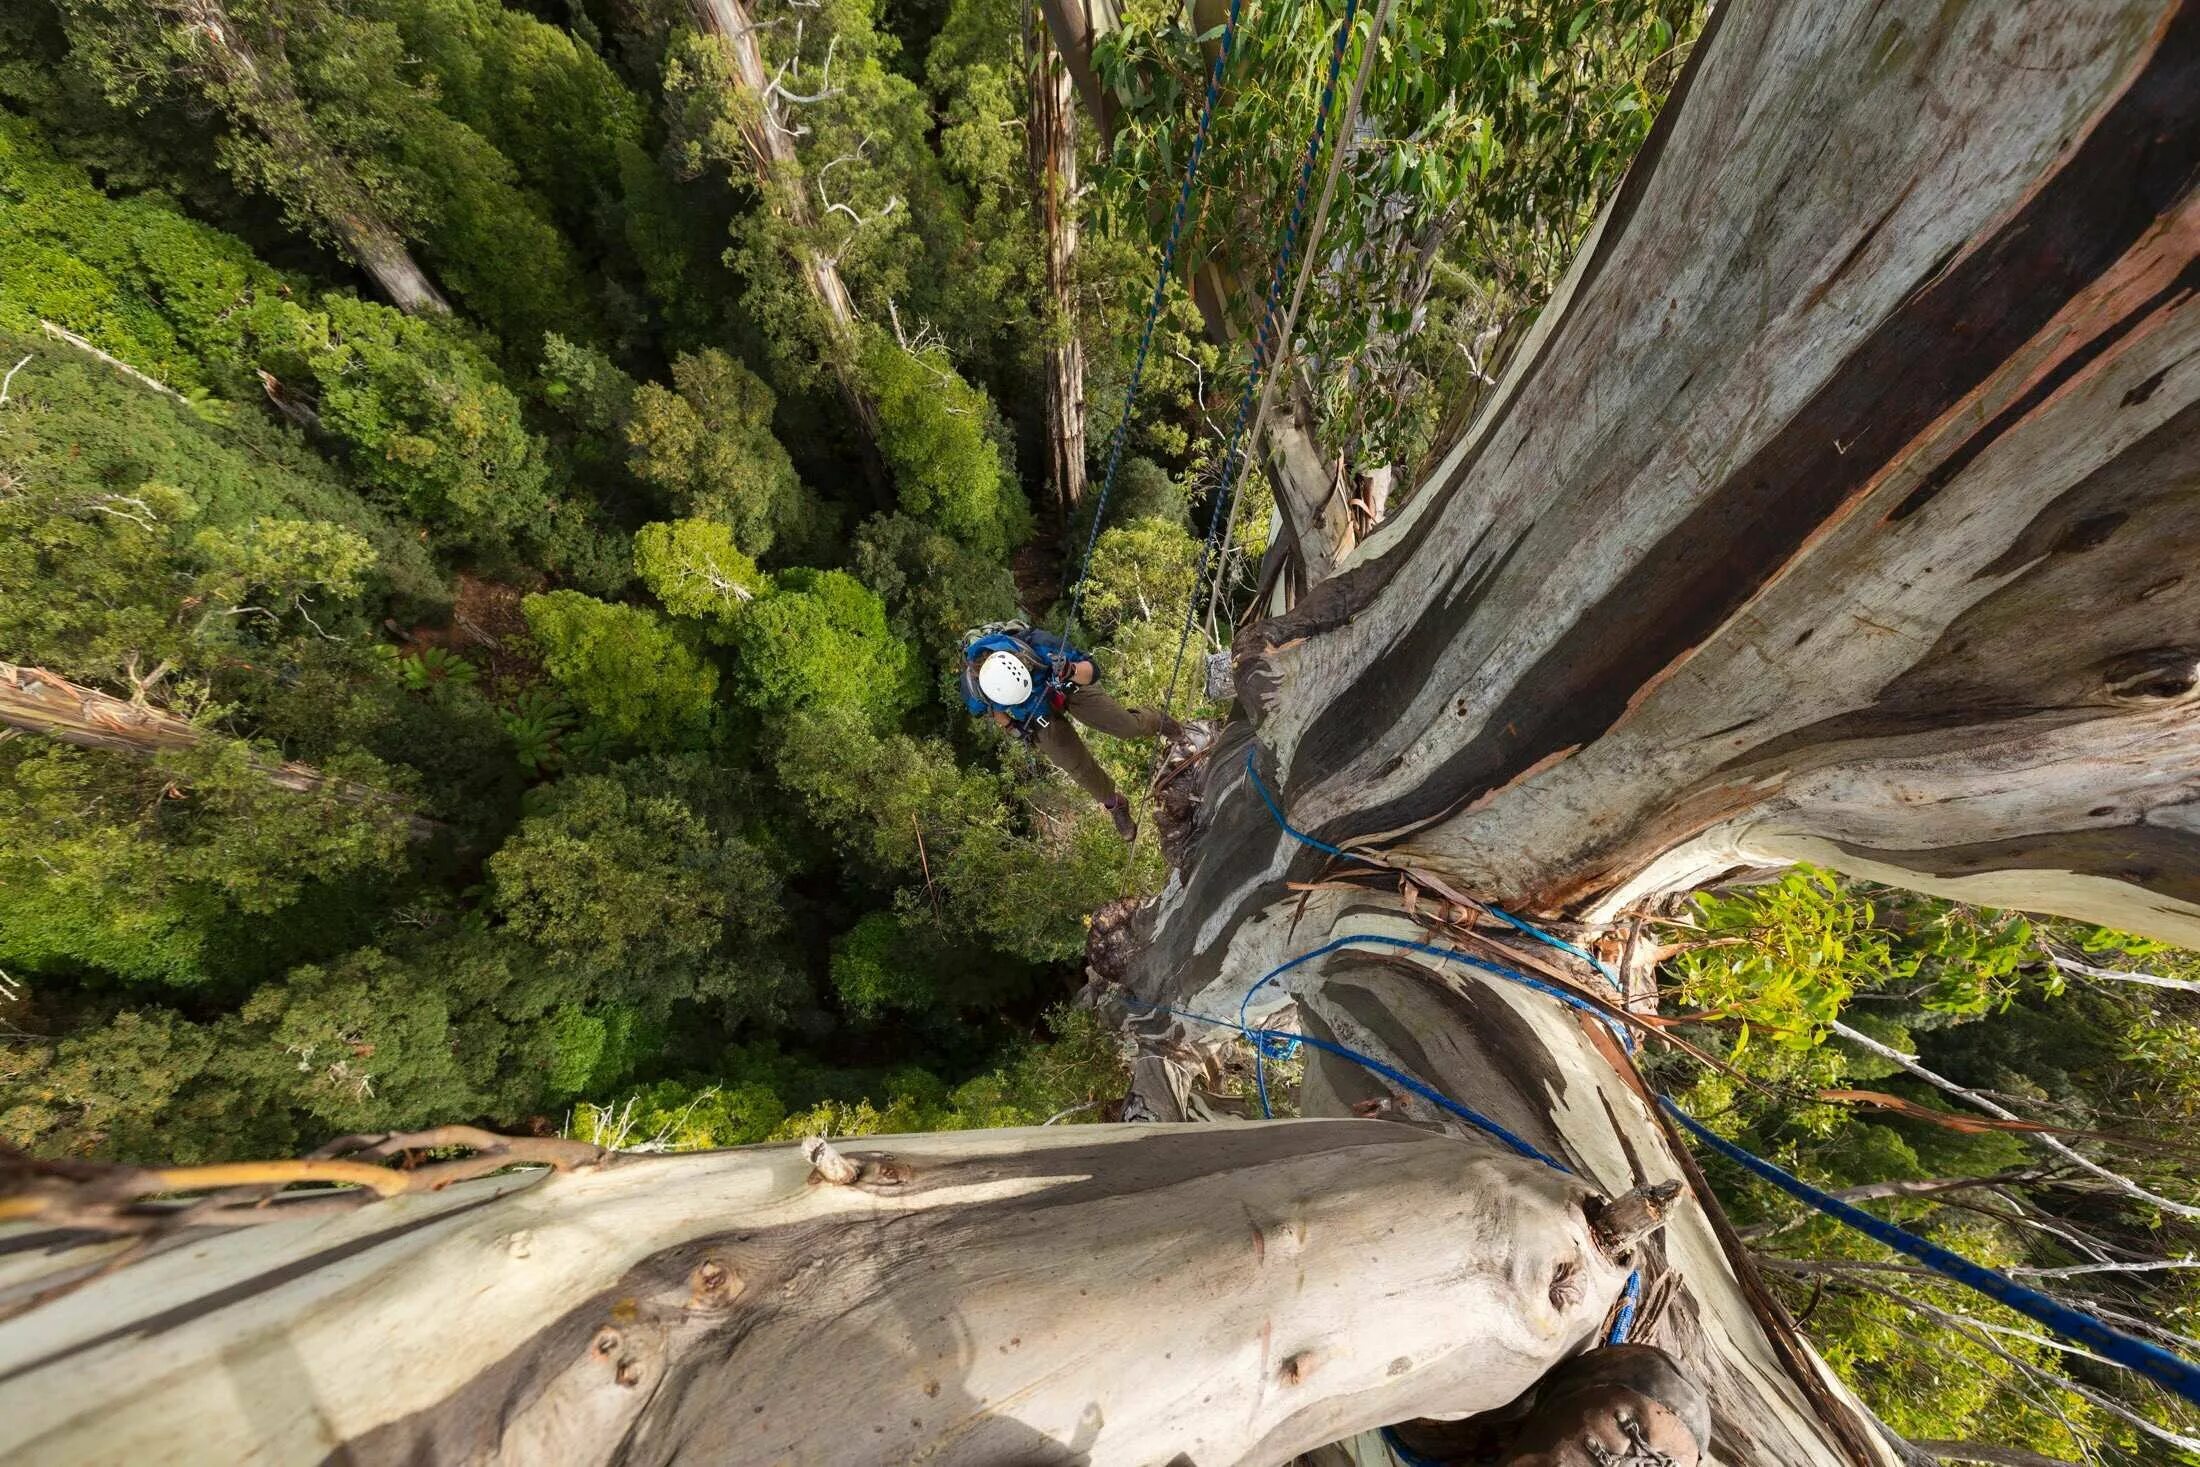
(771, 151)
(1317, 520)
(320, 187)
(1238, 1295)
(33, 700)
(1051, 134)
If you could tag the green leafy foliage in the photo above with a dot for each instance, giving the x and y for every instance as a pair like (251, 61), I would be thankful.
(620, 874)
(160, 871)
(820, 641)
(1977, 996)
(695, 569)
(625, 667)
(706, 443)
(934, 432)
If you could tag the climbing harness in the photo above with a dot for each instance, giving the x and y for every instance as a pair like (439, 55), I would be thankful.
(1121, 434)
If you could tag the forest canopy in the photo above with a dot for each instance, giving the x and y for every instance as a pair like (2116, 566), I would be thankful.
(584, 466)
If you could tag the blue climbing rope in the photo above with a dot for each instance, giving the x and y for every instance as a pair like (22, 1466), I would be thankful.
(1624, 1321)
(1448, 954)
(1233, 455)
(2170, 1371)
(1275, 812)
(1121, 434)
(1520, 1146)
(2156, 1364)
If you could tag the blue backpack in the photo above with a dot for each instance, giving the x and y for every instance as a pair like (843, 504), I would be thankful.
(1040, 651)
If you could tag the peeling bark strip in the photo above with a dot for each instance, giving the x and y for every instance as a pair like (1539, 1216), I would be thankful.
(1962, 325)
(700, 1307)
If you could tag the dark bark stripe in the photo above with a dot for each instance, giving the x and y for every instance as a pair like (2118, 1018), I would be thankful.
(257, 1284)
(1947, 338)
(1338, 598)
(2050, 383)
(2104, 579)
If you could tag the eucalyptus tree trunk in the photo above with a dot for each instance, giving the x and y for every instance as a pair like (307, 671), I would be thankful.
(1097, 1294)
(1051, 135)
(771, 152)
(303, 172)
(1841, 507)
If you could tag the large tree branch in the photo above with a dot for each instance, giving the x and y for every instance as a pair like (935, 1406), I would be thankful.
(969, 1297)
(1558, 1080)
(1768, 549)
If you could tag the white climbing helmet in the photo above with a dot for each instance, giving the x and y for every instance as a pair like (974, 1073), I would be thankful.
(1004, 680)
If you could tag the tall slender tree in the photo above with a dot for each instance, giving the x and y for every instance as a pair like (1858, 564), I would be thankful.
(240, 65)
(1051, 134)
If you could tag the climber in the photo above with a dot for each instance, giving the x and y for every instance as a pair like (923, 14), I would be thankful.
(1026, 679)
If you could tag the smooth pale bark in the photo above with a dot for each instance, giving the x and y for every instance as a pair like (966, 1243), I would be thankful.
(69, 338)
(1839, 508)
(1560, 1082)
(772, 153)
(1098, 1294)
(1074, 26)
(33, 700)
(2122, 975)
(1051, 134)
(324, 189)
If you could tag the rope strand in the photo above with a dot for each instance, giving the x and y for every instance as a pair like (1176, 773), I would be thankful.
(1219, 514)
(1117, 439)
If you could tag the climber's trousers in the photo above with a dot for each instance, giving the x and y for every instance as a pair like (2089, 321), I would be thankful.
(1101, 713)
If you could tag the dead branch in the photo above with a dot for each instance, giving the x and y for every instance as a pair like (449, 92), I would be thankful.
(9, 380)
(62, 334)
(1909, 1063)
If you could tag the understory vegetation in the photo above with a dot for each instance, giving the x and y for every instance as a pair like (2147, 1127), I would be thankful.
(438, 397)
(2021, 1092)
